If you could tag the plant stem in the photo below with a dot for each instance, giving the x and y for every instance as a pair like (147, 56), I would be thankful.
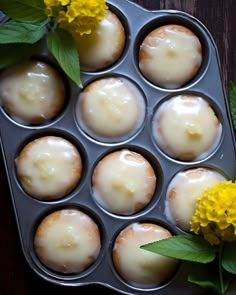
(221, 281)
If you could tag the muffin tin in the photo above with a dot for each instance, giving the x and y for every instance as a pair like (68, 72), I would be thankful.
(29, 211)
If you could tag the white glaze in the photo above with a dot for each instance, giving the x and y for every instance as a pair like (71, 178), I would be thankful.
(183, 191)
(186, 127)
(139, 267)
(68, 241)
(32, 92)
(123, 182)
(103, 46)
(110, 109)
(50, 168)
(172, 56)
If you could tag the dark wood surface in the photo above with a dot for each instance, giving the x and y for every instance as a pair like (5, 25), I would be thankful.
(219, 16)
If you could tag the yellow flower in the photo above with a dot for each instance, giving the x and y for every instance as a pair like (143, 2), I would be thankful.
(215, 215)
(54, 3)
(78, 16)
(51, 3)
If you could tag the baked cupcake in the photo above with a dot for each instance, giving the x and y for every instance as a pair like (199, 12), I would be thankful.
(67, 241)
(123, 182)
(139, 267)
(49, 167)
(186, 127)
(32, 92)
(110, 109)
(103, 47)
(183, 191)
(170, 56)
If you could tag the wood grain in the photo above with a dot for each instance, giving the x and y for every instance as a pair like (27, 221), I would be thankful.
(219, 16)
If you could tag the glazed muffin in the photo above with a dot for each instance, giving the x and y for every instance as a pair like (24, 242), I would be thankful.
(103, 47)
(186, 127)
(110, 109)
(123, 182)
(139, 267)
(32, 92)
(49, 167)
(183, 191)
(170, 56)
(67, 241)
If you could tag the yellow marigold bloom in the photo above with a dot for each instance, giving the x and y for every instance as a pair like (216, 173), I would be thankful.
(51, 3)
(78, 16)
(215, 215)
(54, 3)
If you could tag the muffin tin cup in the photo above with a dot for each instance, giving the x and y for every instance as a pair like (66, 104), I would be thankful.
(29, 211)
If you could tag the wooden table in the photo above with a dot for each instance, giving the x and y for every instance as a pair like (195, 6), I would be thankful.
(16, 278)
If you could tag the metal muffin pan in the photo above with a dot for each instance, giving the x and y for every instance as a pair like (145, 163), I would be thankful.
(29, 211)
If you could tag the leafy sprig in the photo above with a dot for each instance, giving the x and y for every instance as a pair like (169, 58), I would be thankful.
(212, 266)
(26, 25)
(185, 247)
(28, 11)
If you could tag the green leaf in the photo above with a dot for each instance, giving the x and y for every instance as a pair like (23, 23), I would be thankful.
(184, 247)
(232, 101)
(18, 32)
(32, 11)
(229, 257)
(10, 56)
(207, 276)
(62, 46)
